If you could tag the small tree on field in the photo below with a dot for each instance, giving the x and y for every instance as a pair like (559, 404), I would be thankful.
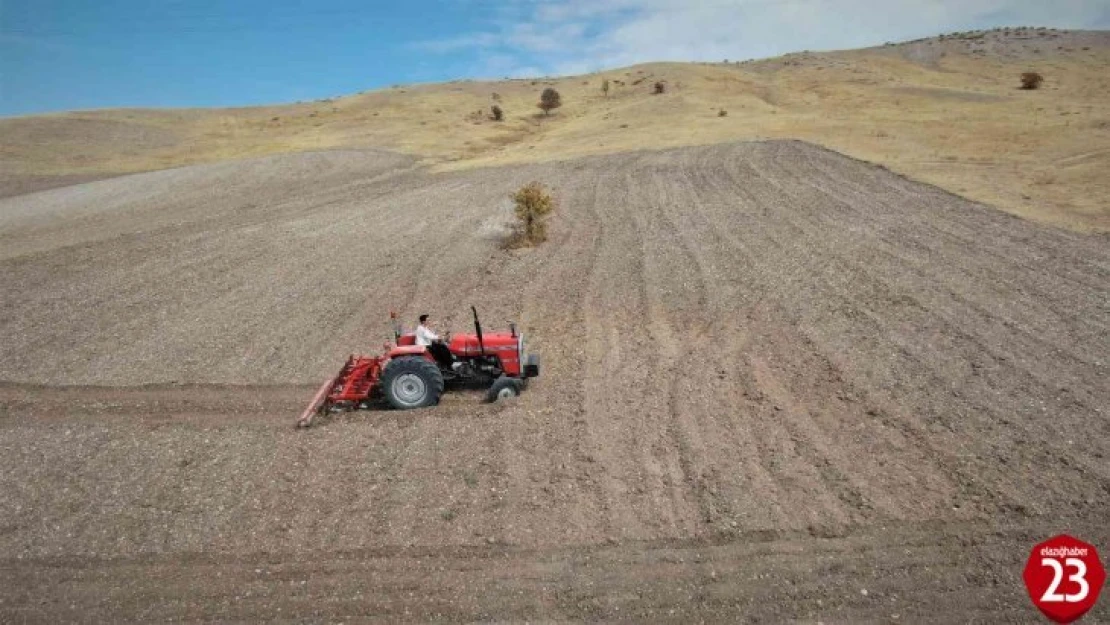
(605, 87)
(497, 113)
(1031, 80)
(549, 99)
(659, 88)
(533, 203)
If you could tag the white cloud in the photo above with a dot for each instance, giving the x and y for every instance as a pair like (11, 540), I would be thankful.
(542, 38)
(575, 36)
(461, 42)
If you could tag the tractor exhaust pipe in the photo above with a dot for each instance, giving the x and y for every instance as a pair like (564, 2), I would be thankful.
(478, 331)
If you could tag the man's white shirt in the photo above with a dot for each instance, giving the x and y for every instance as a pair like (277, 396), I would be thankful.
(424, 336)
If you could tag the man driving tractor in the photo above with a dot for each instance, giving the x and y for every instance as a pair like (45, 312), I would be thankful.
(424, 334)
(435, 344)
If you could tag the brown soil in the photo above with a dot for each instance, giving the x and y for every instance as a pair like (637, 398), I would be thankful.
(11, 185)
(778, 384)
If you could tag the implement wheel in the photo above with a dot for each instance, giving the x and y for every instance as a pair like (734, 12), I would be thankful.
(411, 382)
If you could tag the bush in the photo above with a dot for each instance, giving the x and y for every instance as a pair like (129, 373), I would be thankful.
(549, 99)
(496, 113)
(1031, 80)
(659, 88)
(605, 87)
(722, 113)
(533, 204)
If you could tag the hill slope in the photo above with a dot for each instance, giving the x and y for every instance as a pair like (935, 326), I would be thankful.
(943, 110)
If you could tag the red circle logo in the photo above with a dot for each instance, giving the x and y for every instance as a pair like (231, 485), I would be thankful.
(1064, 577)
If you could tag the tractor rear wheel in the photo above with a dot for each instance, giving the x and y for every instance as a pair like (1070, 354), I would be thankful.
(504, 388)
(412, 382)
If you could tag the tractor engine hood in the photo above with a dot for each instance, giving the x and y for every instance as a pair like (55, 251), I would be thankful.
(502, 344)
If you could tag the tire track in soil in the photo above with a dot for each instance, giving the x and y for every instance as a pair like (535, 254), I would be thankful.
(1004, 479)
(614, 374)
(784, 577)
(1047, 288)
(760, 503)
(703, 392)
(674, 287)
(963, 477)
(785, 440)
(834, 259)
(559, 498)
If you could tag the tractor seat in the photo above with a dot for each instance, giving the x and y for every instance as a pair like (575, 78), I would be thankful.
(444, 357)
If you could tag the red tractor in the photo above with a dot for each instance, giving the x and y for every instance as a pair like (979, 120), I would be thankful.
(414, 376)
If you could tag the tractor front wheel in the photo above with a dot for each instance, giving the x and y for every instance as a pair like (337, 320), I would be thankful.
(412, 382)
(504, 388)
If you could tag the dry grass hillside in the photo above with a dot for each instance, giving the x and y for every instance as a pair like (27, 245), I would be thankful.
(944, 110)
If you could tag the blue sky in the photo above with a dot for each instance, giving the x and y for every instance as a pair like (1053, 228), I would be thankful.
(80, 54)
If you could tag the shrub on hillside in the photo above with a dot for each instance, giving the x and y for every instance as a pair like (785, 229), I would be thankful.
(549, 99)
(532, 204)
(1031, 80)
(496, 113)
(722, 113)
(605, 87)
(659, 88)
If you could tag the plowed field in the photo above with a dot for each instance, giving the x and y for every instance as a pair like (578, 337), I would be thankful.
(777, 383)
